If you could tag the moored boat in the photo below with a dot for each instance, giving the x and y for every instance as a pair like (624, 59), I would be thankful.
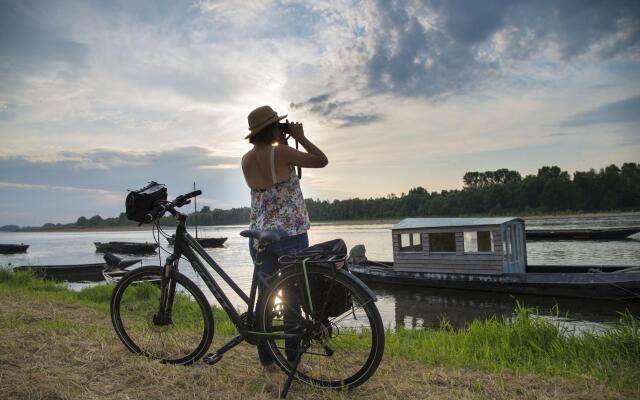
(126, 247)
(581, 234)
(487, 254)
(74, 272)
(204, 242)
(6, 248)
(555, 282)
(115, 269)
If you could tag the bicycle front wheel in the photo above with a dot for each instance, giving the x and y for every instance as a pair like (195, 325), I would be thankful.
(182, 337)
(338, 350)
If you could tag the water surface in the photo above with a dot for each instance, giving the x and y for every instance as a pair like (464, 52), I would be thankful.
(411, 307)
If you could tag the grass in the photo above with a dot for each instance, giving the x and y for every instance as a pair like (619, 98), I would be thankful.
(519, 347)
(526, 344)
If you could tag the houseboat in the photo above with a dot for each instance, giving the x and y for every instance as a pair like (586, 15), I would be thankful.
(488, 254)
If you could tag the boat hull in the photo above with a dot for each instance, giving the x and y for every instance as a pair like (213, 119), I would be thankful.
(73, 273)
(598, 285)
(13, 248)
(126, 247)
(581, 234)
(204, 242)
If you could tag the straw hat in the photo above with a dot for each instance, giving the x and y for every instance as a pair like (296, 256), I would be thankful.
(262, 117)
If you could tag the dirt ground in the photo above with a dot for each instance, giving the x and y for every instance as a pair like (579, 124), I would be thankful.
(45, 357)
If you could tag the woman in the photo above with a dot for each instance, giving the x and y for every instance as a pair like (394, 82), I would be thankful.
(276, 198)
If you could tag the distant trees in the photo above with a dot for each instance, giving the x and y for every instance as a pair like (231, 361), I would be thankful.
(207, 216)
(498, 192)
(480, 180)
(490, 192)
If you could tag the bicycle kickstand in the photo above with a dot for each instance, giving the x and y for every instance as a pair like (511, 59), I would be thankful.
(296, 362)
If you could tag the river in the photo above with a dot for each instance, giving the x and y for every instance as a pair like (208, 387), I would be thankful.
(411, 307)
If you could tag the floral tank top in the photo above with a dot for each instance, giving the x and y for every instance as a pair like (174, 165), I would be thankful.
(279, 206)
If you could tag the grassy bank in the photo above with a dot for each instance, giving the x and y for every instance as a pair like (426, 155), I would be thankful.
(527, 357)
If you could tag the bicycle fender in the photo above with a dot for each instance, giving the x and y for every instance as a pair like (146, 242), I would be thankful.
(345, 273)
(362, 285)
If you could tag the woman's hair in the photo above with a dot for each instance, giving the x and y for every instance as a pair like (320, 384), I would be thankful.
(264, 136)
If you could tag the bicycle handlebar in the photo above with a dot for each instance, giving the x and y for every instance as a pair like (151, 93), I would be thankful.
(182, 199)
(159, 210)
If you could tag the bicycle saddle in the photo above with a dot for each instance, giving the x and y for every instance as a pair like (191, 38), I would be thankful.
(271, 235)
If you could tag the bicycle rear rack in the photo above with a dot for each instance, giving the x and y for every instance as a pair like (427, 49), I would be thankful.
(317, 258)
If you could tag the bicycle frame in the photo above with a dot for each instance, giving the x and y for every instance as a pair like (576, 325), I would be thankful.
(313, 327)
(186, 245)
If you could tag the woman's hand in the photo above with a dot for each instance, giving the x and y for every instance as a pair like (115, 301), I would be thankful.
(296, 131)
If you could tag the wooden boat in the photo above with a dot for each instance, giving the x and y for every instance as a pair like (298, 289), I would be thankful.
(74, 273)
(126, 247)
(553, 282)
(13, 248)
(487, 254)
(115, 270)
(204, 242)
(581, 234)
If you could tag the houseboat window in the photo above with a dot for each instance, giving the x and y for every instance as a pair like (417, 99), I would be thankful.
(444, 242)
(478, 242)
(410, 242)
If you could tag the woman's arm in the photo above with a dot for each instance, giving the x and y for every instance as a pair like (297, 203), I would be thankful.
(313, 158)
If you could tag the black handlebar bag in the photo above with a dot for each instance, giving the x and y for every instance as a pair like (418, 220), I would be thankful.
(140, 202)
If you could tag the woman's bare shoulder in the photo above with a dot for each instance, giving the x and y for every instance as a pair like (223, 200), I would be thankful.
(245, 156)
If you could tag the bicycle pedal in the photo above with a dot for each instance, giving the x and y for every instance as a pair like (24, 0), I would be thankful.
(212, 358)
(328, 351)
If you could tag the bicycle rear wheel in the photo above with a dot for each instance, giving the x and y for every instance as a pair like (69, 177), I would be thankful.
(339, 351)
(182, 338)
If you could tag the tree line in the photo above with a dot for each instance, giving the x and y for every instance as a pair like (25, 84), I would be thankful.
(500, 192)
(496, 192)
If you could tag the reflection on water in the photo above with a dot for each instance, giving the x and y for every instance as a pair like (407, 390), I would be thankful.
(411, 307)
(420, 308)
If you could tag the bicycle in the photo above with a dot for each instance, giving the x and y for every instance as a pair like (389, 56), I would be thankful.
(160, 313)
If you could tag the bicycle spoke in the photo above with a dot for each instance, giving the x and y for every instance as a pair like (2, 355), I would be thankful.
(341, 347)
(176, 338)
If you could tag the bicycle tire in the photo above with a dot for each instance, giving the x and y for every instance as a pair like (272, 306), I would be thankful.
(340, 370)
(134, 301)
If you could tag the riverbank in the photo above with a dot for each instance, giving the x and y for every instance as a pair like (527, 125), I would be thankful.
(525, 214)
(60, 344)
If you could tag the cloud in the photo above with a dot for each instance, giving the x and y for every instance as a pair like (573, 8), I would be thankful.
(354, 120)
(341, 113)
(107, 95)
(101, 192)
(108, 174)
(415, 61)
(438, 48)
(29, 39)
(623, 111)
(470, 22)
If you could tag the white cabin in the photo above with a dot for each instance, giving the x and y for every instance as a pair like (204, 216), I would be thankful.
(489, 246)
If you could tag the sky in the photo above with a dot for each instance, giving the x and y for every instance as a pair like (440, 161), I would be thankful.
(99, 97)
